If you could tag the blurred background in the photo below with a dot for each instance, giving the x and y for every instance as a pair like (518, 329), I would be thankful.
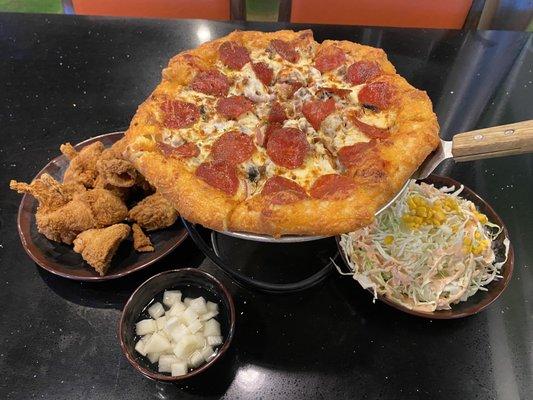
(448, 14)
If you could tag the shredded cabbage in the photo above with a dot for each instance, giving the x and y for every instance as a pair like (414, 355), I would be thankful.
(427, 251)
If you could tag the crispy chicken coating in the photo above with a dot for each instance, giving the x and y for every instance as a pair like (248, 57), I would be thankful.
(65, 223)
(98, 246)
(121, 192)
(141, 242)
(49, 193)
(82, 168)
(153, 212)
(59, 217)
(115, 170)
(107, 208)
(67, 209)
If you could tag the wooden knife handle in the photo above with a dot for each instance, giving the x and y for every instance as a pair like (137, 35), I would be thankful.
(498, 141)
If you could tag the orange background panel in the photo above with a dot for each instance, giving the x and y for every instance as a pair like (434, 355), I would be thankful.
(207, 9)
(449, 14)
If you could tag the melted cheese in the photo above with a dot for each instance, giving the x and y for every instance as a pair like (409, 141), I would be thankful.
(383, 119)
(335, 132)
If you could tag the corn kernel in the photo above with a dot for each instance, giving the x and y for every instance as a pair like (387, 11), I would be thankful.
(388, 240)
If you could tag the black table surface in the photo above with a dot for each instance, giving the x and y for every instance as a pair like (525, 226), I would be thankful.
(65, 78)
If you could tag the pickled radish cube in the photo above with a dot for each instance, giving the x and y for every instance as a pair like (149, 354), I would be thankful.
(214, 340)
(165, 362)
(165, 333)
(208, 353)
(139, 347)
(170, 297)
(201, 340)
(156, 310)
(179, 368)
(153, 357)
(212, 306)
(145, 338)
(187, 345)
(208, 315)
(161, 322)
(198, 305)
(145, 326)
(172, 323)
(187, 301)
(212, 328)
(177, 309)
(196, 359)
(195, 326)
(189, 316)
(178, 332)
(158, 343)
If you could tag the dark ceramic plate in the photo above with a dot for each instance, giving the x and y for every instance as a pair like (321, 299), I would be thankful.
(62, 260)
(482, 299)
(192, 283)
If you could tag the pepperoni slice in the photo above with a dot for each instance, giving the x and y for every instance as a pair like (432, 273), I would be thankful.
(211, 82)
(283, 190)
(187, 150)
(377, 95)
(286, 50)
(277, 113)
(232, 107)
(279, 184)
(268, 131)
(179, 114)
(219, 174)
(287, 147)
(332, 187)
(329, 58)
(315, 111)
(234, 55)
(263, 72)
(294, 86)
(362, 71)
(373, 132)
(233, 147)
(327, 92)
(350, 156)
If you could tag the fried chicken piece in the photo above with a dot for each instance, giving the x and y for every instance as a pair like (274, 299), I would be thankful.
(49, 193)
(115, 170)
(68, 151)
(82, 168)
(58, 216)
(107, 208)
(65, 223)
(67, 209)
(153, 212)
(98, 246)
(121, 192)
(141, 242)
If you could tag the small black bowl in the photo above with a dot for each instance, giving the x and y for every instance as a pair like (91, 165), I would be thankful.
(193, 283)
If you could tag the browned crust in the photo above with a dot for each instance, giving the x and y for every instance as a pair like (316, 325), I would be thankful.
(386, 168)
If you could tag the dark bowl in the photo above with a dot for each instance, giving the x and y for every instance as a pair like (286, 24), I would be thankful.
(482, 299)
(60, 259)
(193, 283)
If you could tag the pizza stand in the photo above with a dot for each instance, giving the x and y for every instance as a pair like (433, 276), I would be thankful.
(269, 266)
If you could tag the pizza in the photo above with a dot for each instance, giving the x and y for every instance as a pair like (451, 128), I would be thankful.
(274, 133)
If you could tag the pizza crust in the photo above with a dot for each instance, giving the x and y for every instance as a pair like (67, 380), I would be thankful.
(379, 177)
